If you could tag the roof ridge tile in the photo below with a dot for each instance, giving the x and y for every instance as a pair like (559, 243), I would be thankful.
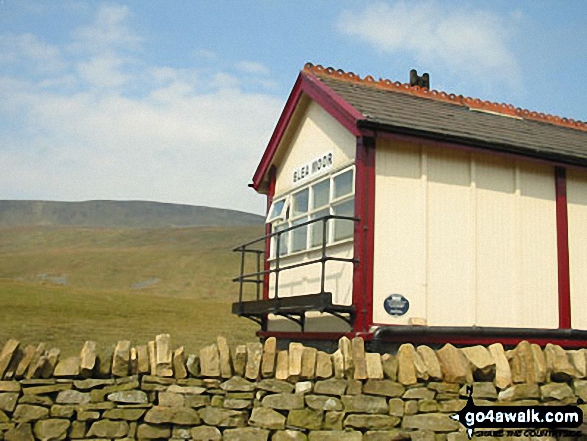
(451, 98)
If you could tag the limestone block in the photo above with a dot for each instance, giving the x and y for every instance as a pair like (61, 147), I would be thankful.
(205, 433)
(25, 361)
(309, 419)
(364, 404)
(295, 360)
(345, 348)
(519, 391)
(88, 359)
(193, 365)
(323, 402)
(454, 365)
(72, 397)
(163, 356)
(390, 366)
(121, 359)
(8, 352)
(52, 358)
(503, 373)
(374, 422)
(406, 373)
(338, 364)
(323, 365)
(179, 365)
(558, 363)
(269, 357)
(386, 388)
(481, 362)
(556, 391)
(332, 386)
(240, 360)
(267, 418)
(151, 431)
(36, 364)
(134, 362)
(25, 413)
(308, 370)
(216, 416)
(238, 384)
(275, 386)
(8, 401)
(53, 429)
(335, 435)
(284, 401)
(374, 366)
(359, 359)
(129, 397)
(210, 361)
(224, 357)
(254, 356)
(143, 366)
(246, 434)
(68, 368)
(282, 365)
(172, 415)
(151, 350)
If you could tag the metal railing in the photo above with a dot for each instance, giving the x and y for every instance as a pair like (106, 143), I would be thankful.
(258, 277)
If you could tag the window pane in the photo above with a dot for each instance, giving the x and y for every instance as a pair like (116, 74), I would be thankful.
(283, 239)
(276, 211)
(318, 227)
(344, 228)
(343, 184)
(299, 235)
(321, 193)
(300, 202)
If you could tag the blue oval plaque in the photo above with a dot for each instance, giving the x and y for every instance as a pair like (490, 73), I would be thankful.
(396, 305)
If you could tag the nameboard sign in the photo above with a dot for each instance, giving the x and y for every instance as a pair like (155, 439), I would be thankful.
(312, 168)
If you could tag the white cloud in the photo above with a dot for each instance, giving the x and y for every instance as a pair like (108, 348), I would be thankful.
(463, 40)
(109, 125)
(252, 67)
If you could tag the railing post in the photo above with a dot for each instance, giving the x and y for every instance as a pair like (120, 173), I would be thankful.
(324, 240)
(240, 291)
(277, 254)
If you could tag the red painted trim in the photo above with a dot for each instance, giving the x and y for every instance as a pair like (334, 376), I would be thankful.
(562, 235)
(333, 103)
(364, 233)
(307, 335)
(342, 111)
(270, 194)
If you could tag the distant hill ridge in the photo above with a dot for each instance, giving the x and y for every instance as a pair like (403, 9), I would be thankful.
(136, 214)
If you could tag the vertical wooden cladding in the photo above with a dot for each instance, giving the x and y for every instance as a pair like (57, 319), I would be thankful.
(576, 193)
(467, 238)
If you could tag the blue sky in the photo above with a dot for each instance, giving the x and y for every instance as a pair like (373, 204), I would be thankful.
(174, 101)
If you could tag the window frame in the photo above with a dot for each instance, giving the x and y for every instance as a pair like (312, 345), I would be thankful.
(288, 220)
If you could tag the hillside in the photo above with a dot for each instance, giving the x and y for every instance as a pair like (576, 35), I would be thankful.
(63, 285)
(133, 214)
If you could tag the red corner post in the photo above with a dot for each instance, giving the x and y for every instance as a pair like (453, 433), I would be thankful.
(562, 233)
(364, 233)
(270, 194)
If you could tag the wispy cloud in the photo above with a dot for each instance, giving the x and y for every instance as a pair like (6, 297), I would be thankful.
(463, 40)
(107, 124)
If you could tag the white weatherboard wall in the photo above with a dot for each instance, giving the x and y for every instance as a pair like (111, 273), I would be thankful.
(577, 214)
(467, 238)
(313, 133)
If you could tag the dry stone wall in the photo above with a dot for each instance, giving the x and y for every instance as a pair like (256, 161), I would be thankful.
(255, 392)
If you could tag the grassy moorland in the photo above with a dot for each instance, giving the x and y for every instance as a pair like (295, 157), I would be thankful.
(65, 285)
